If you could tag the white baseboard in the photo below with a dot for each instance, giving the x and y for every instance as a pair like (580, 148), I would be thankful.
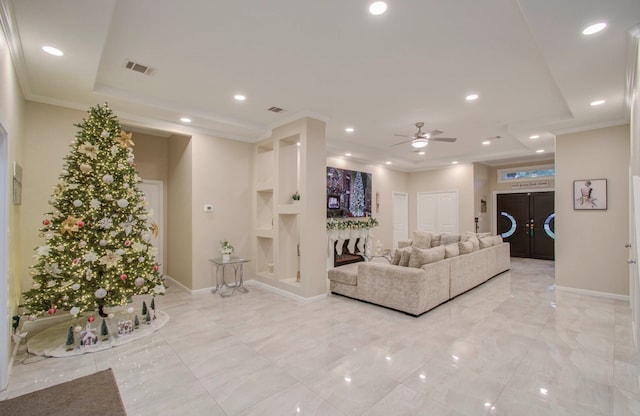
(270, 288)
(284, 293)
(592, 293)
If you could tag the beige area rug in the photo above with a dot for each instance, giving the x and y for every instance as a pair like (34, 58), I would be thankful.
(96, 394)
(51, 342)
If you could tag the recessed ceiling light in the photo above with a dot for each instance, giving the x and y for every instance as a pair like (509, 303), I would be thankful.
(486, 142)
(349, 129)
(377, 8)
(52, 51)
(594, 28)
(455, 162)
(471, 97)
(185, 119)
(597, 102)
(534, 136)
(540, 151)
(387, 163)
(347, 154)
(239, 97)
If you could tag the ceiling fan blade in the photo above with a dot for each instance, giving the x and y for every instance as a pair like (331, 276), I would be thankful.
(398, 144)
(408, 136)
(432, 133)
(443, 139)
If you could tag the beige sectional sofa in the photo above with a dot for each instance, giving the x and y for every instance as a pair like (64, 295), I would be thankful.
(425, 272)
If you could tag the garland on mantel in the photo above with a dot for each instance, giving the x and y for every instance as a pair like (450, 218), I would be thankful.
(365, 224)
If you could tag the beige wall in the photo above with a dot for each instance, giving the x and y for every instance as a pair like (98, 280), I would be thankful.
(152, 156)
(457, 178)
(179, 197)
(590, 245)
(482, 192)
(11, 121)
(385, 182)
(222, 176)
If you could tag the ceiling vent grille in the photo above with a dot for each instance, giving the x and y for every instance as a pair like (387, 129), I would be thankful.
(275, 109)
(143, 69)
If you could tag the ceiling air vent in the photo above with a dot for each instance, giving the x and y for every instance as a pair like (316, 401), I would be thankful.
(143, 69)
(275, 109)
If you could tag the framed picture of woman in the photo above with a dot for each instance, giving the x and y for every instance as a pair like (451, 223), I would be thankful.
(590, 194)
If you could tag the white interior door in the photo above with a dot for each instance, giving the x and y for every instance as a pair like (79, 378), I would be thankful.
(437, 212)
(400, 217)
(153, 191)
(427, 211)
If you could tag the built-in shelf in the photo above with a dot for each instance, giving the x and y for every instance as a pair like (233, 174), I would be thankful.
(290, 209)
(291, 161)
(264, 232)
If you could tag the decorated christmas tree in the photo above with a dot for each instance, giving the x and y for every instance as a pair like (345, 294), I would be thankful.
(357, 204)
(96, 249)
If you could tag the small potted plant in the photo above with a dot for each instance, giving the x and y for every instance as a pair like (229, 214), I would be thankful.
(295, 197)
(226, 249)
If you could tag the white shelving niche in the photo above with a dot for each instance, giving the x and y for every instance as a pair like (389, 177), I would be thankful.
(290, 238)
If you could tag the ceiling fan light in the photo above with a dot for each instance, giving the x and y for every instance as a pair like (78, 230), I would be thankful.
(419, 143)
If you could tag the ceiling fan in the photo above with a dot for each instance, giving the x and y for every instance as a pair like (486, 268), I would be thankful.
(421, 139)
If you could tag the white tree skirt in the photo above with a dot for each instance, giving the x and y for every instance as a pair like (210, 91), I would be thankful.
(52, 341)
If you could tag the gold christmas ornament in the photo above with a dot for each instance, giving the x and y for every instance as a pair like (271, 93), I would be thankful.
(70, 225)
(125, 139)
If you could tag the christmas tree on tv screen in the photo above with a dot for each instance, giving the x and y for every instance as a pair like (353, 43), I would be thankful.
(96, 249)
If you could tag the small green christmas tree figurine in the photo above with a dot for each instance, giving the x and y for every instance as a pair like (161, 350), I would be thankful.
(148, 318)
(144, 307)
(97, 247)
(136, 322)
(104, 330)
(70, 339)
(153, 303)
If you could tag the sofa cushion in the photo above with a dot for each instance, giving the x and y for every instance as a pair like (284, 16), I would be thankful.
(425, 256)
(449, 238)
(404, 243)
(435, 239)
(401, 256)
(451, 250)
(465, 247)
(486, 242)
(422, 239)
(475, 242)
(497, 239)
(347, 274)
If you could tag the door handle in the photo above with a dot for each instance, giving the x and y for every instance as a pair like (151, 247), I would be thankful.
(627, 245)
(631, 261)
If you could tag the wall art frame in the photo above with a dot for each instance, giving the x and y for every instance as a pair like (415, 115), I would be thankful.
(590, 194)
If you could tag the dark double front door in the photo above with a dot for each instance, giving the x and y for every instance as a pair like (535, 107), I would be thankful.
(527, 222)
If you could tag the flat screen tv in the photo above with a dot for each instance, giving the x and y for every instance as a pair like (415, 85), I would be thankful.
(348, 193)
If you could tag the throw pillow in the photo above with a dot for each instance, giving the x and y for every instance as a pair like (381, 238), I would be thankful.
(465, 247)
(486, 242)
(497, 239)
(396, 257)
(475, 242)
(422, 239)
(420, 257)
(435, 240)
(452, 250)
(449, 238)
(405, 255)
(466, 236)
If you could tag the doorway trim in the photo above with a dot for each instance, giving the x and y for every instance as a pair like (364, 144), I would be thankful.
(4, 267)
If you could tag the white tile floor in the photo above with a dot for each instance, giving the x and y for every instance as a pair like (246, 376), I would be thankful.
(512, 346)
